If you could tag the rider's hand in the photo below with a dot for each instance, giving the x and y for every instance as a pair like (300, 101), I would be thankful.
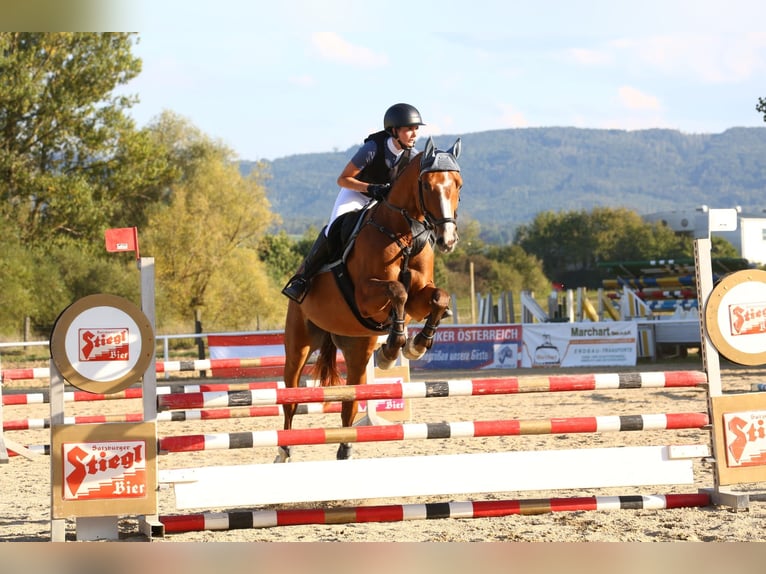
(378, 191)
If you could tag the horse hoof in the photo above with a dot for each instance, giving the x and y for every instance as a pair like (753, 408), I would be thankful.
(411, 352)
(382, 361)
(283, 454)
(344, 452)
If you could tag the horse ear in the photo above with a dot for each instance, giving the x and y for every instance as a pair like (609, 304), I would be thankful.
(455, 149)
(429, 152)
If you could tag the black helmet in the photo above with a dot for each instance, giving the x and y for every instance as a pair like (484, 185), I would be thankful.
(400, 115)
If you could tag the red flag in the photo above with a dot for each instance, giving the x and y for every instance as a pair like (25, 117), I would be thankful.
(122, 239)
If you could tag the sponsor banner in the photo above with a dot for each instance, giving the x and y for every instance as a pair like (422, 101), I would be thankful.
(104, 469)
(102, 343)
(247, 346)
(608, 343)
(472, 347)
(735, 317)
(745, 434)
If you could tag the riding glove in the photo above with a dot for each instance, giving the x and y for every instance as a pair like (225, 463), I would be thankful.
(378, 191)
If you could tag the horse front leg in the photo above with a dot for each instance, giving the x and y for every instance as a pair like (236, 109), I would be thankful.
(357, 352)
(417, 346)
(297, 351)
(388, 353)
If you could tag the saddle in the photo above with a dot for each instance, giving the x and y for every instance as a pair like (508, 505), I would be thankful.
(342, 236)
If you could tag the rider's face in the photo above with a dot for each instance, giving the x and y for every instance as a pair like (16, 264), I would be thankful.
(407, 135)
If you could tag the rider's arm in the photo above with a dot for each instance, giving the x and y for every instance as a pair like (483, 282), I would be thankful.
(347, 178)
(363, 156)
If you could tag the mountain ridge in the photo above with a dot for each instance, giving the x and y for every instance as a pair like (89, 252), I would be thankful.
(511, 175)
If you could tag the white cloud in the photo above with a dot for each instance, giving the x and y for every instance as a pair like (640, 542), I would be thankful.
(589, 57)
(330, 46)
(634, 99)
(711, 58)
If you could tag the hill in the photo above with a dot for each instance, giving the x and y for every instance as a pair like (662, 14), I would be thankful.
(511, 175)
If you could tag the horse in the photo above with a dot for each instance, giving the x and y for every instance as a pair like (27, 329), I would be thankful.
(388, 270)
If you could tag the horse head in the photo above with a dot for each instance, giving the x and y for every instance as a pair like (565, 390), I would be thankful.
(439, 188)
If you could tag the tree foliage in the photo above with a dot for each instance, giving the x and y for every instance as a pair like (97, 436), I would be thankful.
(72, 164)
(571, 244)
(761, 107)
(207, 234)
(496, 268)
(62, 127)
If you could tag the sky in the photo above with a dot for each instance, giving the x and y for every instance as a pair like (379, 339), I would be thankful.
(260, 78)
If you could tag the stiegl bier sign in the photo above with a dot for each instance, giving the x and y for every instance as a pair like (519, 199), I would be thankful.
(102, 344)
(103, 470)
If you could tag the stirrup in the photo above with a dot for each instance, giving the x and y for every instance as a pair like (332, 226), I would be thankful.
(296, 289)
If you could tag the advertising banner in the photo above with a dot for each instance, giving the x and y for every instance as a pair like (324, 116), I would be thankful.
(611, 343)
(246, 345)
(472, 347)
(104, 469)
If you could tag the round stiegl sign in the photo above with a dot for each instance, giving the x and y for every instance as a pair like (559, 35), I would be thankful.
(735, 317)
(102, 344)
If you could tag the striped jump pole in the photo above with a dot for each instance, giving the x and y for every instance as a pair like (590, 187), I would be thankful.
(415, 431)
(411, 431)
(43, 397)
(429, 389)
(437, 510)
(170, 366)
(175, 416)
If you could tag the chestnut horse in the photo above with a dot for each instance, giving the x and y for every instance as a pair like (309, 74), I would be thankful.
(390, 266)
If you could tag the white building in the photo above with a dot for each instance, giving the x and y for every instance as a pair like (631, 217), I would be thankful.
(749, 239)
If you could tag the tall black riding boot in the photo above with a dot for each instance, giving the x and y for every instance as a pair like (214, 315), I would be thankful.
(299, 284)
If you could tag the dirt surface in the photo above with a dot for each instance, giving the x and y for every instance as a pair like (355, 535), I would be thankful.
(25, 484)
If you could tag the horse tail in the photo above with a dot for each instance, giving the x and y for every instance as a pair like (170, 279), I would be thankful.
(326, 368)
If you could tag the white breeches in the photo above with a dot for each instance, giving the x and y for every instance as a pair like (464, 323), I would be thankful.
(347, 200)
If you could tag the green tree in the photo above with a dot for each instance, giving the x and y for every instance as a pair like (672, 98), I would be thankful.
(495, 268)
(61, 128)
(206, 237)
(281, 255)
(17, 297)
(571, 244)
(761, 107)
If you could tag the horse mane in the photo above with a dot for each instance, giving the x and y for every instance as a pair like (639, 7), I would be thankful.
(414, 161)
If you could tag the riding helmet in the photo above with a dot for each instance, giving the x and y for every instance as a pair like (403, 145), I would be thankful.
(400, 115)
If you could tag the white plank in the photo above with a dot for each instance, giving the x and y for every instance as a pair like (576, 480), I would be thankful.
(314, 481)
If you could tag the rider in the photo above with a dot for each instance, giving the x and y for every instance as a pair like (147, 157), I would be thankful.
(368, 176)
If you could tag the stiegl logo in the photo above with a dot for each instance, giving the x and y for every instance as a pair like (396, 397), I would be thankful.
(745, 435)
(109, 469)
(748, 319)
(104, 344)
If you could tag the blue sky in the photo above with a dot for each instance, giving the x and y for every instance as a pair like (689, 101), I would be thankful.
(259, 76)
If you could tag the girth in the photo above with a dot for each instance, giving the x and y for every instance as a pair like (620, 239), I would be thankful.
(422, 234)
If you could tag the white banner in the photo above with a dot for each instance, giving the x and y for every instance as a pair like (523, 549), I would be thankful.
(608, 343)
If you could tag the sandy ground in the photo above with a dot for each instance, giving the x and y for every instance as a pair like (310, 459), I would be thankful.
(25, 484)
